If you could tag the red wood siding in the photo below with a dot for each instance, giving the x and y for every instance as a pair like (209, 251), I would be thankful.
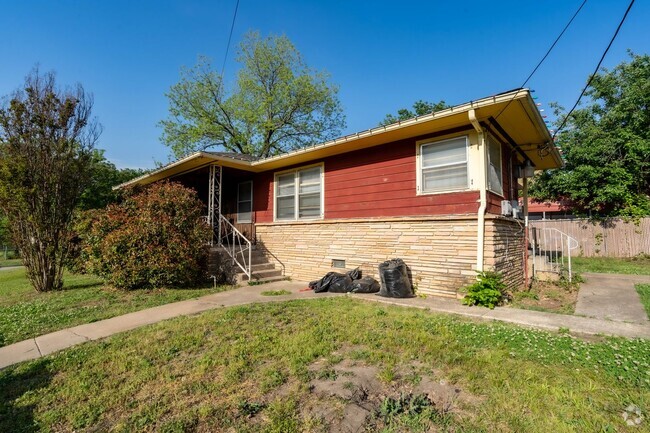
(494, 203)
(375, 182)
(382, 182)
(370, 183)
(263, 197)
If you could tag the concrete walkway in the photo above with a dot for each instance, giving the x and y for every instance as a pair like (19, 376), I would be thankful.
(612, 297)
(50, 343)
(9, 268)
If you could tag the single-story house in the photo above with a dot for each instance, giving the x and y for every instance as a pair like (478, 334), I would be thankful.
(437, 191)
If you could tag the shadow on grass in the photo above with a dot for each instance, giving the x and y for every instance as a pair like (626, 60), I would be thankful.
(84, 285)
(14, 383)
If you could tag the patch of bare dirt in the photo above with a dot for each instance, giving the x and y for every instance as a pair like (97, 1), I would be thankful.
(346, 396)
(548, 296)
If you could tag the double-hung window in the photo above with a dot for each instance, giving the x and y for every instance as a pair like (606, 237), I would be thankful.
(495, 178)
(244, 202)
(299, 193)
(443, 166)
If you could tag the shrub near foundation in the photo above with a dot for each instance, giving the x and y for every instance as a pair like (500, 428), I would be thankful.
(488, 291)
(154, 238)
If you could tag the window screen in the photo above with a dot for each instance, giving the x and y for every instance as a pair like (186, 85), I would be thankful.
(444, 165)
(244, 202)
(286, 197)
(299, 194)
(495, 178)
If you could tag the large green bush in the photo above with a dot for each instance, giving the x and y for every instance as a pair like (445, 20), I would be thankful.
(156, 237)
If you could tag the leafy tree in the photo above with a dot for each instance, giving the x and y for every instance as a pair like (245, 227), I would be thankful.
(278, 103)
(606, 146)
(104, 176)
(420, 108)
(46, 142)
(98, 194)
(4, 231)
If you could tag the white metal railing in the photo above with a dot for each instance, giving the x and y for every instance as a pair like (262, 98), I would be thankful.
(214, 201)
(238, 247)
(551, 250)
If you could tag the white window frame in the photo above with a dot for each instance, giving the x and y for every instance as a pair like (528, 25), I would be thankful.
(494, 142)
(418, 149)
(296, 186)
(250, 218)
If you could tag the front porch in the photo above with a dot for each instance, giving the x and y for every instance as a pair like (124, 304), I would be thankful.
(227, 194)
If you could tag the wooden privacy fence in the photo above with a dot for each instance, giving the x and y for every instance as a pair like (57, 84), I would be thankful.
(607, 238)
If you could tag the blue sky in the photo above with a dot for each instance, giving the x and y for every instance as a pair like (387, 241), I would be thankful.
(383, 55)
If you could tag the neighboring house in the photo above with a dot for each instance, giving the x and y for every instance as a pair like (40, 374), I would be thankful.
(428, 190)
(547, 210)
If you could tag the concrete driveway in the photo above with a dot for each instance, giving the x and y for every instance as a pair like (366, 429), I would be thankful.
(612, 297)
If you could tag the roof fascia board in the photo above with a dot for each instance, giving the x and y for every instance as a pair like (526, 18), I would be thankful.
(160, 170)
(211, 158)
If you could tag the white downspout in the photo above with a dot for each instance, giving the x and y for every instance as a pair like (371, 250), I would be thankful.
(480, 239)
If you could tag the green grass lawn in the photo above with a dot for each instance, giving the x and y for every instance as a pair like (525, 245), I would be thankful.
(10, 262)
(263, 368)
(25, 313)
(644, 293)
(639, 265)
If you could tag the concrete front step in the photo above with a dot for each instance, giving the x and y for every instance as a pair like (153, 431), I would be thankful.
(269, 280)
(259, 275)
(256, 259)
(262, 267)
(544, 269)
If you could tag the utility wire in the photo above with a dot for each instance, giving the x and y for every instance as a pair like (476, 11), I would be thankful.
(545, 55)
(595, 70)
(232, 26)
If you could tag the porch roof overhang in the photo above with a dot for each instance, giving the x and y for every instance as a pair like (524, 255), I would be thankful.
(511, 115)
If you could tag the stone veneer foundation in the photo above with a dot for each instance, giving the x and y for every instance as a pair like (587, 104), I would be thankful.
(440, 251)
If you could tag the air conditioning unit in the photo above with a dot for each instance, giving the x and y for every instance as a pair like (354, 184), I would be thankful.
(506, 208)
(517, 211)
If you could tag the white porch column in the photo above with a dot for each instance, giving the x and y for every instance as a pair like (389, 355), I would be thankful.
(214, 202)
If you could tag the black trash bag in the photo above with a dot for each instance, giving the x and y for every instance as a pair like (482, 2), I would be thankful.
(355, 274)
(341, 283)
(323, 284)
(365, 285)
(335, 282)
(394, 278)
(332, 282)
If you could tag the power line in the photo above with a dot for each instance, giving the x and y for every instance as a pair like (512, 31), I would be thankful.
(545, 55)
(232, 26)
(595, 70)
